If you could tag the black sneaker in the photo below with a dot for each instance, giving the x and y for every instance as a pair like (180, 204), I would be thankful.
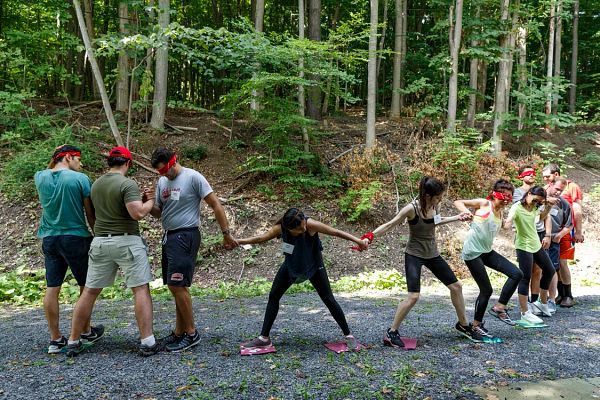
(96, 333)
(76, 348)
(392, 339)
(466, 331)
(170, 339)
(56, 346)
(147, 351)
(184, 343)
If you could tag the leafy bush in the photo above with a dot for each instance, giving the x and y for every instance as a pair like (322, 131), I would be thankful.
(197, 153)
(552, 153)
(591, 159)
(357, 201)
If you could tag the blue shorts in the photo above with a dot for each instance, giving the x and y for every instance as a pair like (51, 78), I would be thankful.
(62, 252)
(179, 253)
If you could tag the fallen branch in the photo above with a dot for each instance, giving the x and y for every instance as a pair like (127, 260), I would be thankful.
(586, 170)
(90, 103)
(224, 200)
(221, 126)
(344, 153)
(179, 131)
(185, 128)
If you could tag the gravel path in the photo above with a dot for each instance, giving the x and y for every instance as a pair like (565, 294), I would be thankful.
(444, 366)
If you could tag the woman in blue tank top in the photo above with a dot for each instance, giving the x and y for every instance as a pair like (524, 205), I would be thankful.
(302, 248)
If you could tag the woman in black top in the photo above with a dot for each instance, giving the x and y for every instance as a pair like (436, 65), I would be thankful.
(303, 261)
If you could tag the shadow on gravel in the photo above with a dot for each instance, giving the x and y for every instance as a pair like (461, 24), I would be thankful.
(444, 366)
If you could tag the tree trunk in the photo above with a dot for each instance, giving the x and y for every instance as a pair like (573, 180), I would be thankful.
(501, 84)
(399, 43)
(89, 23)
(372, 76)
(382, 39)
(123, 62)
(550, 61)
(301, 100)
(259, 27)
(482, 84)
(473, 80)
(90, 53)
(512, 39)
(159, 104)
(334, 22)
(454, 36)
(557, 51)
(521, 43)
(314, 33)
(574, 51)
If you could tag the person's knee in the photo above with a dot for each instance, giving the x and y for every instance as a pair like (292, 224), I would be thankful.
(455, 287)
(175, 290)
(517, 275)
(486, 292)
(413, 297)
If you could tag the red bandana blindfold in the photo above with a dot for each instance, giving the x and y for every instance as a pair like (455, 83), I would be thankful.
(165, 168)
(526, 173)
(65, 153)
(500, 196)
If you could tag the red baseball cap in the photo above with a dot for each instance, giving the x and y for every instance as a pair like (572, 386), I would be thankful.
(120, 151)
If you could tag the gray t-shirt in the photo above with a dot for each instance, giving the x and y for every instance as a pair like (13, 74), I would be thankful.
(179, 199)
(560, 215)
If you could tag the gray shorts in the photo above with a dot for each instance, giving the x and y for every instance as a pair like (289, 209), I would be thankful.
(107, 254)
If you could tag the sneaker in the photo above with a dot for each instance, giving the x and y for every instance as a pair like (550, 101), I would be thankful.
(351, 342)
(502, 315)
(96, 332)
(258, 342)
(532, 309)
(75, 349)
(170, 339)
(56, 346)
(147, 351)
(543, 309)
(184, 343)
(392, 339)
(532, 319)
(480, 334)
(558, 299)
(552, 307)
(466, 331)
(567, 302)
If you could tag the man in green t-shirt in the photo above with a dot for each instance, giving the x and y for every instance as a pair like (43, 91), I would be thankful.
(117, 244)
(64, 194)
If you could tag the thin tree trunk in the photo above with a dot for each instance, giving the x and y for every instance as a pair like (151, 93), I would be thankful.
(334, 22)
(501, 84)
(159, 104)
(550, 61)
(454, 36)
(574, 53)
(382, 38)
(403, 49)
(372, 76)
(522, 49)
(89, 23)
(557, 52)
(301, 100)
(259, 27)
(512, 40)
(90, 53)
(314, 33)
(473, 79)
(149, 52)
(399, 39)
(482, 84)
(123, 62)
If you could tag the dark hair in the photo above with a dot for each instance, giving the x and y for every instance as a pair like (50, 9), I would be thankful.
(162, 155)
(429, 186)
(503, 184)
(292, 219)
(63, 149)
(116, 161)
(552, 168)
(535, 191)
(523, 168)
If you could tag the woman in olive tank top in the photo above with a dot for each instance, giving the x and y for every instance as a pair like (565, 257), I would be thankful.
(302, 248)
(422, 217)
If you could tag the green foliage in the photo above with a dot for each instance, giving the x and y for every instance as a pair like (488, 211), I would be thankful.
(358, 201)
(197, 153)
(552, 153)
(591, 159)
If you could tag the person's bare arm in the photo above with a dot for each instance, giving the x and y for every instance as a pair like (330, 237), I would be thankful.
(213, 202)
(465, 206)
(90, 212)
(316, 226)
(408, 212)
(578, 216)
(272, 233)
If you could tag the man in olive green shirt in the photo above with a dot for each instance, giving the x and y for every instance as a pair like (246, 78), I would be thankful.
(119, 206)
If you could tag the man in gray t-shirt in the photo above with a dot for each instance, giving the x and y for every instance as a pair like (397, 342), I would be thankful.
(178, 195)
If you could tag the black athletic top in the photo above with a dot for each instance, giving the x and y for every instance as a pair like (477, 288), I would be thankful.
(305, 258)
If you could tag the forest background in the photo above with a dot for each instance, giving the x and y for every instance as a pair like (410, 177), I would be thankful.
(339, 106)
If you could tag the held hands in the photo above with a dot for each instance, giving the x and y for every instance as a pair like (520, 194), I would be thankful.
(365, 241)
(229, 241)
(148, 194)
(465, 216)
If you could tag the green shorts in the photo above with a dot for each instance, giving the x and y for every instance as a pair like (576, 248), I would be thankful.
(107, 254)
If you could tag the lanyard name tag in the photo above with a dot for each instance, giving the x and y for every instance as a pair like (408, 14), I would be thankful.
(175, 195)
(437, 219)
(287, 248)
(554, 212)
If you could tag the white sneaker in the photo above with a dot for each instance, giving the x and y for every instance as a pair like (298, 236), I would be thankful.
(543, 309)
(532, 319)
(533, 309)
(552, 307)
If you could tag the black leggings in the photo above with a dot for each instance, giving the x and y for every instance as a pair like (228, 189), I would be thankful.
(526, 260)
(498, 263)
(320, 282)
(437, 265)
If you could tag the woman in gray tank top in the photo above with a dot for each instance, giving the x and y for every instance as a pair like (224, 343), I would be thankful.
(422, 216)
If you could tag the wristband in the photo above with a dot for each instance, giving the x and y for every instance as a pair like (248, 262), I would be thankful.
(369, 236)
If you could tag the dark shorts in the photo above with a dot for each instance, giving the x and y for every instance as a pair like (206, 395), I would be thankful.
(554, 253)
(179, 253)
(62, 252)
(437, 265)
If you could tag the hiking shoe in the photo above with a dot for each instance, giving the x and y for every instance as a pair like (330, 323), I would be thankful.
(558, 299)
(96, 332)
(543, 308)
(466, 331)
(184, 343)
(258, 342)
(502, 315)
(567, 302)
(75, 349)
(56, 346)
(532, 319)
(351, 342)
(170, 339)
(392, 338)
(147, 351)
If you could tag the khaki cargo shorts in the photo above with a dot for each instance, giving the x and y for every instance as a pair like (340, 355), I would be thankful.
(107, 254)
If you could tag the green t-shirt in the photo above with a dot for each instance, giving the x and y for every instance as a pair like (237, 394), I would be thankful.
(526, 238)
(110, 193)
(61, 194)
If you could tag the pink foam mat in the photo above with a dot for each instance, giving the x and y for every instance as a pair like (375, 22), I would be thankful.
(255, 351)
(340, 347)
